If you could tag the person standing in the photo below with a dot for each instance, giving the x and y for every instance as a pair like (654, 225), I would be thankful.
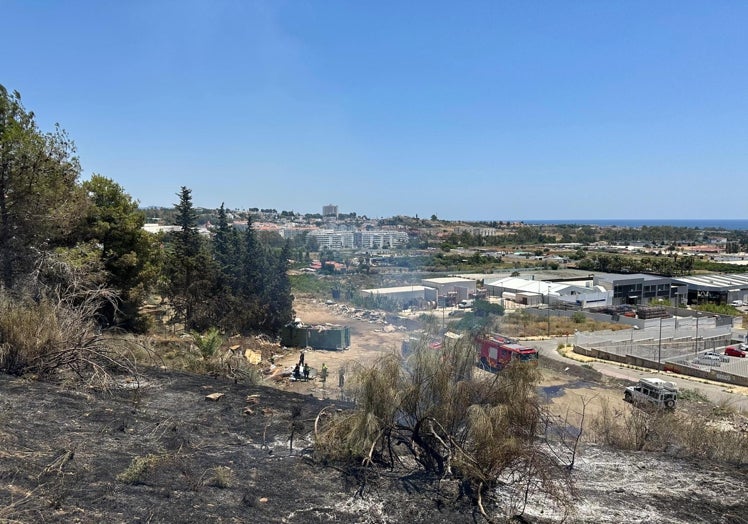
(301, 358)
(323, 373)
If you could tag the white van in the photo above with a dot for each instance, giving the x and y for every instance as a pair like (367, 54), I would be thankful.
(737, 303)
(464, 304)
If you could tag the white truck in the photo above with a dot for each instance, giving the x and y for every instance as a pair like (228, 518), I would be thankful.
(466, 304)
(654, 391)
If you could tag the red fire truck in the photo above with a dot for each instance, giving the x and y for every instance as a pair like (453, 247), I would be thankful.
(496, 351)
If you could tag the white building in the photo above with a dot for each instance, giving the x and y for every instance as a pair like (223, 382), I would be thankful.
(381, 239)
(534, 292)
(462, 288)
(331, 239)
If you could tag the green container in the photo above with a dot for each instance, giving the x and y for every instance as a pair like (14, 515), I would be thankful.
(316, 337)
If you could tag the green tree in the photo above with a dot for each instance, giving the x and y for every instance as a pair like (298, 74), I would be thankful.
(40, 199)
(189, 276)
(278, 294)
(127, 252)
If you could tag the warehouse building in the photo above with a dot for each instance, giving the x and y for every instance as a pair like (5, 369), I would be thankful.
(535, 292)
(716, 289)
(451, 289)
(638, 288)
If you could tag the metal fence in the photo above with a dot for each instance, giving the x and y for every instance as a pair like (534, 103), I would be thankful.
(664, 342)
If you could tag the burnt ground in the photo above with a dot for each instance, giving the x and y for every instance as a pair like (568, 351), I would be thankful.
(163, 453)
(150, 455)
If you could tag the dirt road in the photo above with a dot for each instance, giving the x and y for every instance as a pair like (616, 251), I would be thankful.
(723, 394)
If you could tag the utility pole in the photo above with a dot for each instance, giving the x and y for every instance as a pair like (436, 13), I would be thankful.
(696, 342)
(549, 311)
(659, 347)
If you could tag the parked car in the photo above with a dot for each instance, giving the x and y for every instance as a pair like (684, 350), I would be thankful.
(734, 351)
(737, 303)
(710, 358)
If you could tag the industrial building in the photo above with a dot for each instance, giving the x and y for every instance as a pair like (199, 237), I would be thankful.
(535, 292)
(717, 289)
(404, 294)
(451, 289)
(638, 288)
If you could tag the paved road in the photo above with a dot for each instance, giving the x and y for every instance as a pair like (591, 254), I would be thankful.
(714, 391)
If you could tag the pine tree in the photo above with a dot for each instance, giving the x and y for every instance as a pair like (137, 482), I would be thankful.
(190, 271)
(127, 252)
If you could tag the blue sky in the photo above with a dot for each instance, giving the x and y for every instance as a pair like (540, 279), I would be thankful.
(475, 110)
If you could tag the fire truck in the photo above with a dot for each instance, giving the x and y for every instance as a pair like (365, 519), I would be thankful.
(496, 351)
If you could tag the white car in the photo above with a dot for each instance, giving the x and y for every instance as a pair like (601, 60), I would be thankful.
(737, 303)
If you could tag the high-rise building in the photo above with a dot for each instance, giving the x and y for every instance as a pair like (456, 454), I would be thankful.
(330, 210)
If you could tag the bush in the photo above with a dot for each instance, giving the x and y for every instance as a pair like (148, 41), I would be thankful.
(51, 326)
(208, 343)
(450, 421)
(221, 477)
(138, 468)
(578, 317)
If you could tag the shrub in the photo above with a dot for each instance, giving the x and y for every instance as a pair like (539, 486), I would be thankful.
(51, 326)
(221, 477)
(578, 317)
(661, 430)
(451, 421)
(208, 343)
(138, 468)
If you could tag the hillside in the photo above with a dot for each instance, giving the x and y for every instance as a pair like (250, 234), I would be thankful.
(158, 451)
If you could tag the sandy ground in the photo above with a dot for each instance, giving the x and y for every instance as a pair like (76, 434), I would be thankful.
(368, 342)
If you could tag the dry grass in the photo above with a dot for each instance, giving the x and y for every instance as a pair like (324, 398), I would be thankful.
(519, 323)
(682, 434)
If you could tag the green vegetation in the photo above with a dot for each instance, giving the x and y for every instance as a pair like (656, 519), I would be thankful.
(720, 309)
(207, 343)
(311, 285)
(75, 260)
(139, 468)
(621, 264)
(692, 395)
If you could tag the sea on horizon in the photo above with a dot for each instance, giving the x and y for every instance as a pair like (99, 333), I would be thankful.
(726, 224)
